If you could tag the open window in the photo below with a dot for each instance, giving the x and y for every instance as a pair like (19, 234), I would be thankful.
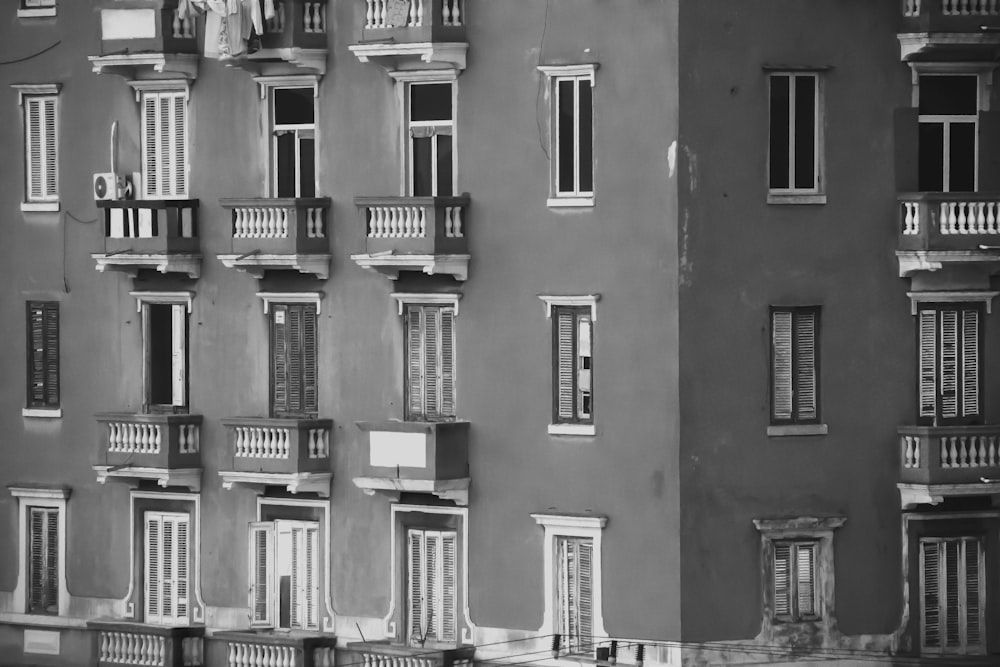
(293, 141)
(284, 589)
(949, 129)
(165, 342)
(430, 134)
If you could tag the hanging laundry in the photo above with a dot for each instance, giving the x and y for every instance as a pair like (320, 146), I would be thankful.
(229, 25)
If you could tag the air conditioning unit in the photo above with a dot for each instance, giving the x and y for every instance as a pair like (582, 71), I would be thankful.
(113, 186)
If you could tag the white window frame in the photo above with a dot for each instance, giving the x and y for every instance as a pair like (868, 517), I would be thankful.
(48, 497)
(157, 88)
(793, 195)
(268, 85)
(181, 305)
(32, 98)
(947, 120)
(554, 74)
(441, 300)
(405, 80)
(273, 529)
(573, 301)
(570, 525)
(36, 8)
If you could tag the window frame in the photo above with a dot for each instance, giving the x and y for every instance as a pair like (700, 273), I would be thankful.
(949, 120)
(579, 304)
(181, 304)
(816, 194)
(300, 130)
(442, 302)
(554, 75)
(274, 308)
(960, 308)
(441, 535)
(795, 424)
(48, 497)
(405, 81)
(29, 96)
(182, 517)
(45, 406)
(158, 90)
(271, 529)
(965, 648)
(43, 8)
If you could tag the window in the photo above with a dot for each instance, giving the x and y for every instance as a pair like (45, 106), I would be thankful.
(952, 589)
(284, 567)
(795, 581)
(166, 567)
(948, 130)
(293, 142)
(43, 354)
(430, 362)
(430, 129)
(41, 585)
(164, 144)
(165, 341)
(795, 365)
(432, 591)
(32, 8)
(572, 134)
(293, 359)
(795, 148)
(950, 353)
(572, 345)
(40, 151)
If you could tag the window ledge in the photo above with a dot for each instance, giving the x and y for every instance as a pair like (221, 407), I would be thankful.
(42, 620)
(797, 429)
(36, 12)
(572, 429)
(570, 202)
(39, 206)
(795, 198)
(42, 413)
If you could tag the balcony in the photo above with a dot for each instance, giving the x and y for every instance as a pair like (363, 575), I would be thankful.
(150, 234)
(289, 234)
(287, 649)
(289, 452)
(949, 30)
(416, 457)
(144, 39)
(412, 34)
(379, 654)
(415, 234)
(937, 462)
(160, 447)
(294, 41)
(938, 230)
(139, 645)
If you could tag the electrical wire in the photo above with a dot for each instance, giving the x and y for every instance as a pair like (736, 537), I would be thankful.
(33, 55)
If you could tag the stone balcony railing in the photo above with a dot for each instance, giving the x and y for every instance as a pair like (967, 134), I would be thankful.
(427, 31)
(377, 654)
(149, 440)
(948, 221)
(153, 26)
(138, 645)
(949, 454)
(292, 452)
(296, 24)
(267, 649)
(949, 28)
(160, 234)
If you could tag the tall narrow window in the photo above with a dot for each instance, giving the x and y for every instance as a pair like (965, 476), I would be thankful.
(572, 342)
(950, 353)
(795, 365)
(164, 144)
(40, 149)
(293, 148)
(952, 586)
(43, 354)
(430, 362)
(432, 591)
(166, 567)
(165, 340)
(431, 129)
(571, 133)
(795, 151)
(284, 588)
(43, 560)
(794, 580)
(574, 581)
(293, 359)
(948, 130)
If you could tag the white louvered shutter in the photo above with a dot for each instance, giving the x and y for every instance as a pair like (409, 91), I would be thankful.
(585, 596)
(574, 558)
(414, 361)
(415, 589)
(783, 580)
(430, 363)
(970, 362)
(447, 363)
(41, 158)
(164, 148)
(432, 323)
(153, 567)
(949, 360)
(167, 577)
(310, 579)
(261, 572)
(565, 363)
(432, 583)
(449, 586)
(781, 340)
(928, 363)
(178, 354)
(304, 583)
(805, 577)
(930, 567)
(805, 366)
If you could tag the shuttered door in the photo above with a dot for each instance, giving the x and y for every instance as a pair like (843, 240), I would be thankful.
(43, 560)
(430, 362)
(164, 144)
(43, 354)
(794, 361)
(432, 585)
(261, 572)
(575, 591)
(166, 567)
(304, 584)
(293, 359)
(952, 593)
(40, 148)
(949, 357)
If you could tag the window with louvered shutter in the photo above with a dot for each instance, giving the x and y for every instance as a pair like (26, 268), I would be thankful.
(952, 585)
(430, 362)
(284, 574)
(165, 340)
(795, 365)
(166, 567)
(43, 354)
(432, 586)
(261, 572)
(40, 148)
(293, 359)
(574, 581)
(164, 144)
(572, 344)
(43, 560)
(794, 581)
(949, 357)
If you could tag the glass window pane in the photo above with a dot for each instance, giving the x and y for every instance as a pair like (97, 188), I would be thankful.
(430, 101)
(285, 163)
(962, 158)
(586, 136)
(160, 350)
(931, 157)
(307, 167)
(293, 106)
(779, 176)
(805, 132)
(422, 166)
(566, 146)
(444, 174)
(948, 95)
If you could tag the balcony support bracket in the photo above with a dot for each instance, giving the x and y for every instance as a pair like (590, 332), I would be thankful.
(130, 263)
(134, 66)
(390, 265)
(300, 482)
(456, 490)
(911, 495)
(912, 262)
(189, 478)
(391, 55)
(256, 264)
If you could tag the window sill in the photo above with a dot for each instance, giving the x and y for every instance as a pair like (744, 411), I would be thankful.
(570, 202)
(36, 12)
(795, 198)
(781, 430)
(39, 206)
(42, 413)
(572, 429)
(45, 620)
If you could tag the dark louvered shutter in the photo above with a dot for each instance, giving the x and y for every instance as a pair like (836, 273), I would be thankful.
(432, 322)
(795, 365)
(430, 362)
(949, 360)
(781, 362)
(294, 359)
(565, 347)
(973, 594)
(783, 580)
(279, 359)
(309, 389)
(414, 362)
(261, 582)
(43, 354)
(43, 560)
(805, 366)
(805, 577)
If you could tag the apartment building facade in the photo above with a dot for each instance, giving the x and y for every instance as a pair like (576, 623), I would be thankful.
(310, 370)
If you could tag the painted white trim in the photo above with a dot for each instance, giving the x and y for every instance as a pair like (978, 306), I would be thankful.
(917, 298)
(268, 82)
(11, 618)
(778, 197)
(784, 430)
(572, 429)
(439, 298)
(576, 70)
(814, 194)
(463, 514)
(911, 495)
(39, 206)
(42, 413)
(291, 297)
(984, 70)
(36, 12)
(144, 297)
(446, 75)
(390, 54)
(54, 497)
(24, 89)
(570, 202)
(141, 86)
(589, 300)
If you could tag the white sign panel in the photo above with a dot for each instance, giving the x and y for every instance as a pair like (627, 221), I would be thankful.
(128, 23)
(44, 642)
(389, 449)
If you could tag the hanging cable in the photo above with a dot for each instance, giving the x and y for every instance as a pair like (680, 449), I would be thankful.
(33, 55)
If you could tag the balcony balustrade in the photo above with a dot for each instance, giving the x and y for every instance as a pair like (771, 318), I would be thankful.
(139, 645)
(932, 29)
(936, 228)
(418, 457)
(290, 452)
(296, 649)
(279, 234)
(294, 41)
(415, 234)
(150, 234)
(161, 447)
(940, 461)
(397, 31)
(143, 37)
(376, 654)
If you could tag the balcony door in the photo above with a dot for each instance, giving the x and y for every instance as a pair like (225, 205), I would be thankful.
(950, 364)
(948, 132)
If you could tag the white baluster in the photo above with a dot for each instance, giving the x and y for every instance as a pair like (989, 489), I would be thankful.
(422, 221)
(981, 452)
(383, 14)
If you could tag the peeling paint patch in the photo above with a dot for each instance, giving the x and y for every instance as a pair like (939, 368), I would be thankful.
(686, 266)
(692, 160)
(672, 158)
